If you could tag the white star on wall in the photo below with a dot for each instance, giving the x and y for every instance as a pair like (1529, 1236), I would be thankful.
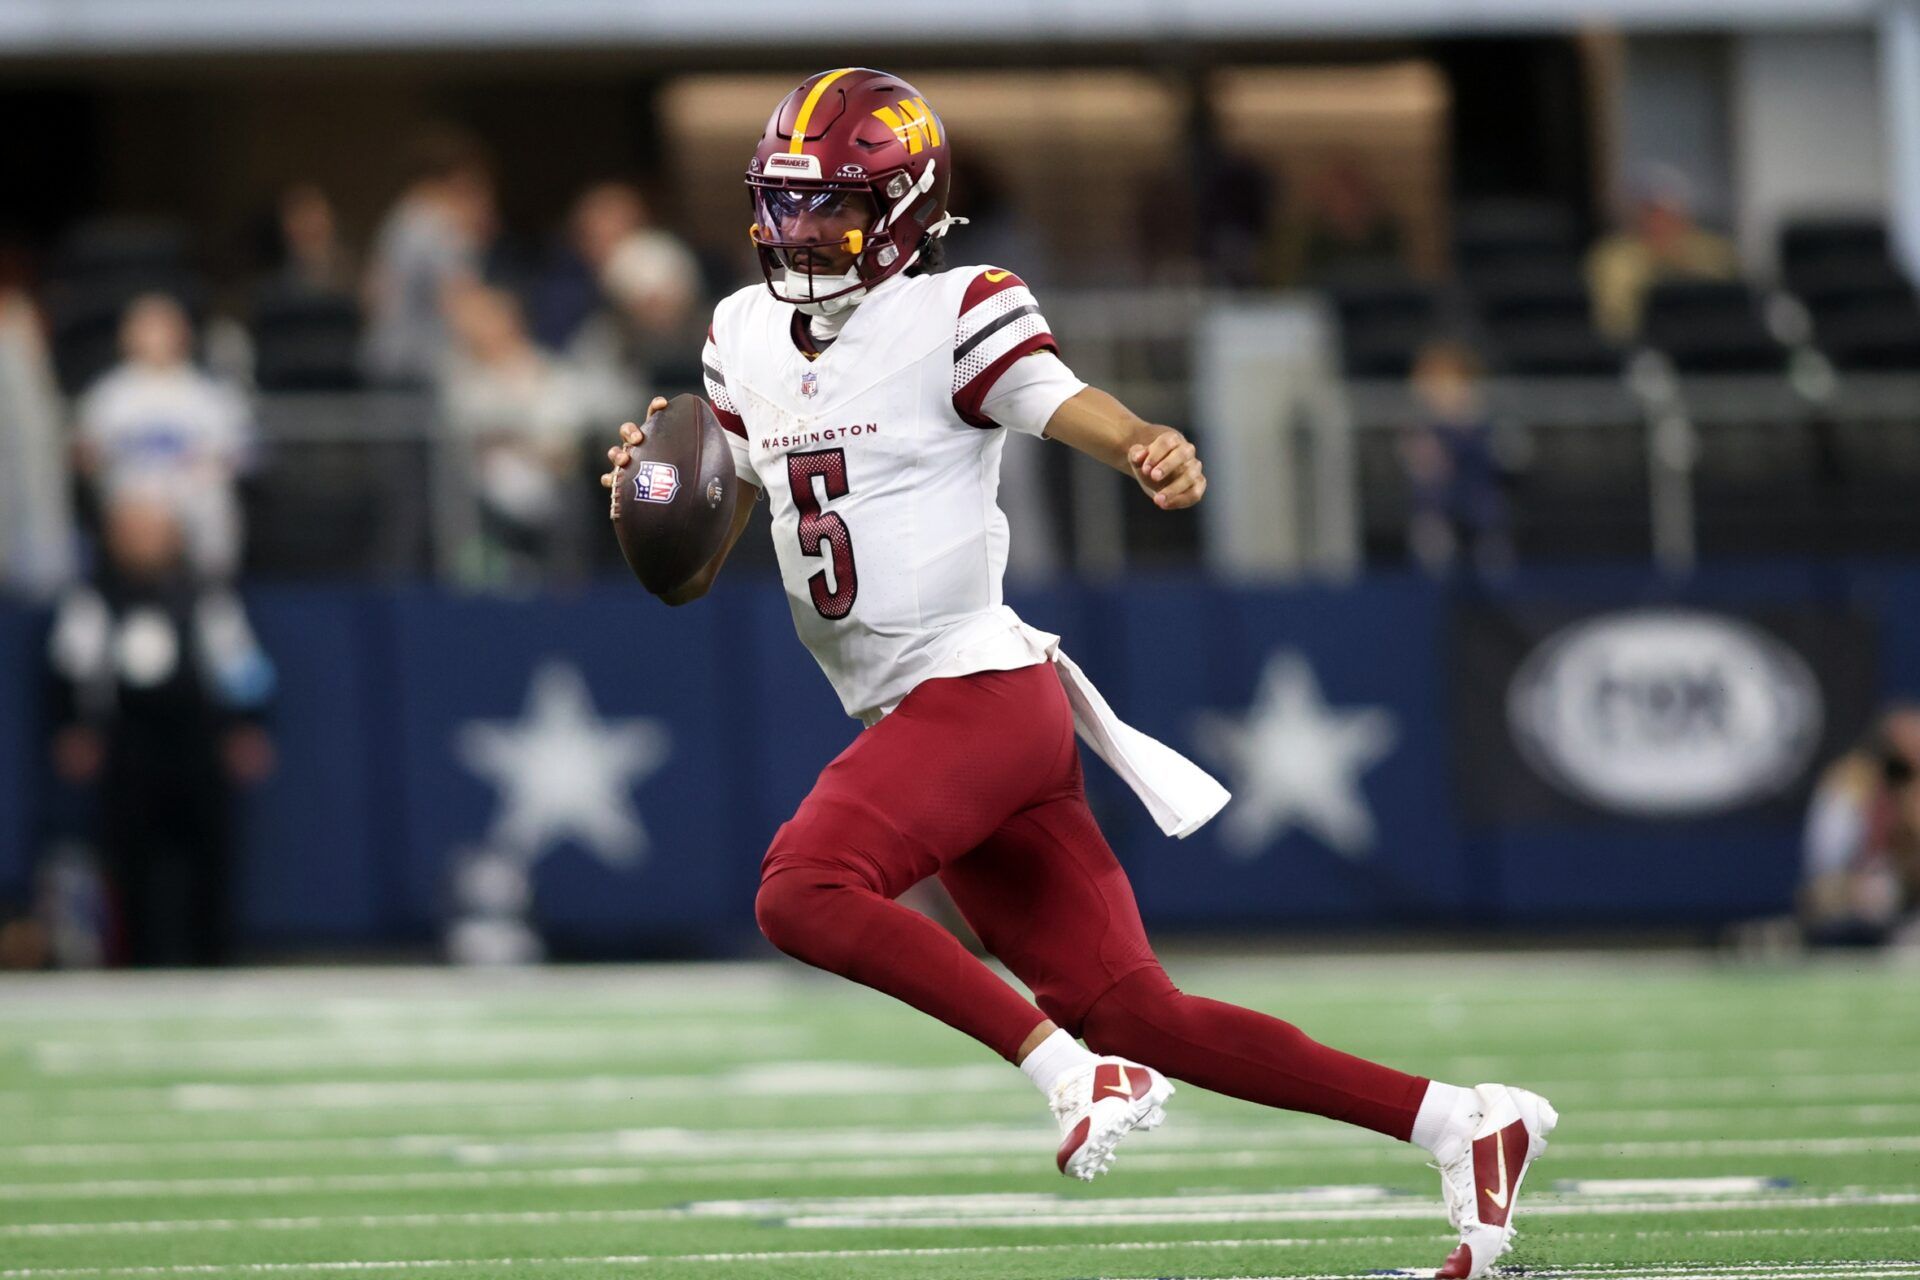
(1295, 761)
(562, 772)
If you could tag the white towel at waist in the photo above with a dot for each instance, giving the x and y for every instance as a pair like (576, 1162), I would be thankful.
(1179, 794)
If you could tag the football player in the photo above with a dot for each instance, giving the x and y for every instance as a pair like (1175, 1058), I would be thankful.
(868, 393)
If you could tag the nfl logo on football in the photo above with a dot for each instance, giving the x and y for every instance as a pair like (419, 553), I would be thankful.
(809, 384)
(655, 481)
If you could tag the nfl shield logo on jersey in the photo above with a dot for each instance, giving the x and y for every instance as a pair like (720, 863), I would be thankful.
(655, 481)
(809, 384)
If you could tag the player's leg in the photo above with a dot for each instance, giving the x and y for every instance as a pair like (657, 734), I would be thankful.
(1050, 900)
(1047, 896)
(922, 787)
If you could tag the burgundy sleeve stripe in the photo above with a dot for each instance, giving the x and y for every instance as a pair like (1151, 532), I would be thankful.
(987, 331)
(731, 421)
(968, 399)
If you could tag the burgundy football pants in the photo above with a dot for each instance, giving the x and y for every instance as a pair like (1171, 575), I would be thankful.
(977, 780)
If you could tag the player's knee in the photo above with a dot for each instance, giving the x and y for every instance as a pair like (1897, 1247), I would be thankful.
(795, 908)
(787, 909)
(782, 910)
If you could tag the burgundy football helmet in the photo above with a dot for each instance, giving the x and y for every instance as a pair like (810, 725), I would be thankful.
(849, 135)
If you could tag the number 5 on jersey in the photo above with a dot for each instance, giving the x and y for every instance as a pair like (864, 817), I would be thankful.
(817, 526)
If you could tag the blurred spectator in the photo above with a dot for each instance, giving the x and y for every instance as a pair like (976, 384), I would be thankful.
(157, 696)
(655, 280)
(1861, 883)
(1457, 482)
(649, 336)
(1346, 226)
(1662, 243)
(520, 416)
(36, 535)
(155, 418)
(303, 245)
(571, 290)
(435, 237)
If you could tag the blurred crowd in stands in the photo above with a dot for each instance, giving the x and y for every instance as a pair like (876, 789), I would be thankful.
(119, 358)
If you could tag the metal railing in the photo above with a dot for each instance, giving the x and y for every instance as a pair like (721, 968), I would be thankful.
(1312, 476)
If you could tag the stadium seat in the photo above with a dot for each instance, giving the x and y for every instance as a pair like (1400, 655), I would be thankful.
(1808, 241)
(1532, 290)
(107, 248)
(1865, 311)
(305, 340)
(1384, 319)
(1711, 327)
(1871, 335)
(1553, 348)
(1582, 490)
(1494, 235)
(1538, 320)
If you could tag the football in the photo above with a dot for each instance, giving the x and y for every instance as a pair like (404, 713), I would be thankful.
(673, 503)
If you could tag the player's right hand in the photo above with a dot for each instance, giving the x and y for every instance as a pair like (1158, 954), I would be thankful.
(632, 436)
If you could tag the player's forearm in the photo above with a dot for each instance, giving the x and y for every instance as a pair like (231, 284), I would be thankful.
(1099, 426)
(1161, 460)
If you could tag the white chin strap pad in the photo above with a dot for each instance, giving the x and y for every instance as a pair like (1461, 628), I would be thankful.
(819, 284)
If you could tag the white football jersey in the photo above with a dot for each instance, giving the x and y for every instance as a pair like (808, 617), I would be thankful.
(882, 472)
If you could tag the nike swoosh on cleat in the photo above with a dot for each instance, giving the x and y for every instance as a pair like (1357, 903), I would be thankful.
(1499, 1197)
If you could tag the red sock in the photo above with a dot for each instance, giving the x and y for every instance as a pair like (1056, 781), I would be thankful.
(1247, 1055)
(824, 916)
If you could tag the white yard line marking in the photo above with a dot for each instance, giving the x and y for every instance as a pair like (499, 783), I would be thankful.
(1721, 1186)
(536, 1121)
(1037, 1210)
(417, 1048)
(848, 1079)
(1381, 1213)
(1272, 1146)
(84, 1140)
(710, 1210)
(305, 1184)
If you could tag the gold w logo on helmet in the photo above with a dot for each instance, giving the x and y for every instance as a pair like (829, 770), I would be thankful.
(912, 123)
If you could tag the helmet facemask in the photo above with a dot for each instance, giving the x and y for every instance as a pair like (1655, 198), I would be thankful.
(799, 259)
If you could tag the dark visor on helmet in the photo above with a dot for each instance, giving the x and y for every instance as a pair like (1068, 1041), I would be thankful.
(830, 212)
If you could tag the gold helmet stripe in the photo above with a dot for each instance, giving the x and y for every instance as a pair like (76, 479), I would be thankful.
(806, 108)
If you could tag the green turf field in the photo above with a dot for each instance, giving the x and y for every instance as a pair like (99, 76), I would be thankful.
(691, 1123)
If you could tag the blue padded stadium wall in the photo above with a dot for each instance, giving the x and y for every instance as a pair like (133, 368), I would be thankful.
(1362, 727)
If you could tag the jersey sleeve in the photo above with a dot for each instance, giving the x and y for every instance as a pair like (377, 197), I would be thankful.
(727, 411)
(999, 323)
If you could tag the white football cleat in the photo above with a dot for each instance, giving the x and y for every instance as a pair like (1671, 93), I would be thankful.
(1481, 1168)
(1101, 1104)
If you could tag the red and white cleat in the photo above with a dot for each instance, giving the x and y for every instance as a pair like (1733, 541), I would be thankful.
(1099, 1105)
(1481, 1169)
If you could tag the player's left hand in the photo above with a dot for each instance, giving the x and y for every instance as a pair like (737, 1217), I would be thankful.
(1168, 468)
